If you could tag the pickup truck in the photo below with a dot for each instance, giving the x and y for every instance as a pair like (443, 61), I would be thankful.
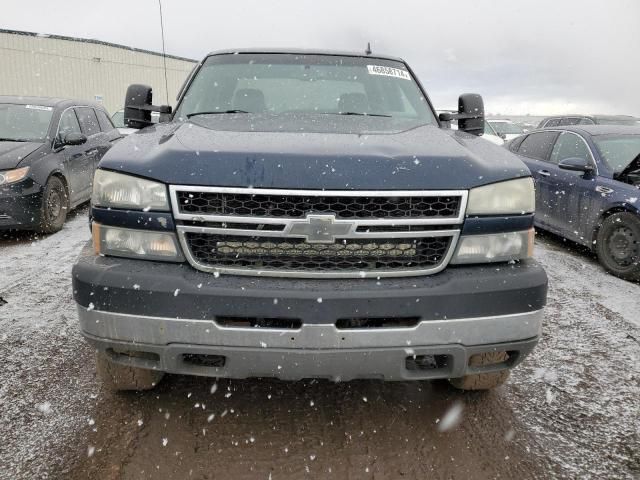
(303, 214)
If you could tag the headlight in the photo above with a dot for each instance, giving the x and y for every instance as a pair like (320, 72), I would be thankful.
(12, 176)
(497, 247)
(503, 198)
(125, 242)
(116, 190)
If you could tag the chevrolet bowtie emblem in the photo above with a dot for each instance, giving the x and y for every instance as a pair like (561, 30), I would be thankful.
(320, 228)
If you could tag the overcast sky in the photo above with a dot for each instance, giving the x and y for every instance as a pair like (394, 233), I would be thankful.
(524, 56)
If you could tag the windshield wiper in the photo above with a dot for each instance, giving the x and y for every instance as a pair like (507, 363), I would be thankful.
(216, 112)
(358, 113)
(14, 140)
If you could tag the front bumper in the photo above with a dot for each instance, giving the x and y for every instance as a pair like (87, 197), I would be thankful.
(20, 205)
(158, 315)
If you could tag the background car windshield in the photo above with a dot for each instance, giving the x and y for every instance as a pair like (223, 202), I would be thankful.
(618, 151)
(118, 119)
(308, 84)
(506, 128)
(26, 123)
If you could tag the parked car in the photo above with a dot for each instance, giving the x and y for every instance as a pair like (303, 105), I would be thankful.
(566, 120)
(505, 129)
(118, 120)
(491, 134)
(304, 214)
(49, 149)
(588, 189)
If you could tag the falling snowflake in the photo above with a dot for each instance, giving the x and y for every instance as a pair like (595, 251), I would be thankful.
(44, 407)
(452, 418)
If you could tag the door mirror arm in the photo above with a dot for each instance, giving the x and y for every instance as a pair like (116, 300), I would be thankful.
(577, 165)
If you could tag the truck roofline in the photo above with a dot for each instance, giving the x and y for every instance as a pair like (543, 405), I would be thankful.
(302, 51)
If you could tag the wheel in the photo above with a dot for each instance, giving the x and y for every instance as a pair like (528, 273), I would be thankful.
(55, 205)
(618, 245)
(118, 377)
(483, 381)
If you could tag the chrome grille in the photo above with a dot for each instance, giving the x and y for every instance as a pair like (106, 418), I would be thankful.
(265, 205)
(324, 234)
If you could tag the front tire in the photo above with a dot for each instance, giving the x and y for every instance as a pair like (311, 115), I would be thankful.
(618, 245)
(55, 206)
(483, 381)
(116, 377)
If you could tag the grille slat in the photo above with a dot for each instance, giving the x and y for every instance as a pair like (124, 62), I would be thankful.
(294, 254)
(282, 206)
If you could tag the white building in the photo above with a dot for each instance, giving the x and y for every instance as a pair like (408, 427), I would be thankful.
(56, 66)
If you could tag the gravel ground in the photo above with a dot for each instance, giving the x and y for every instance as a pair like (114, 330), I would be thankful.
(570, 411)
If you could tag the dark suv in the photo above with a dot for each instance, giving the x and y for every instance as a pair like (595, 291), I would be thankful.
(303, 214)
(49, 149)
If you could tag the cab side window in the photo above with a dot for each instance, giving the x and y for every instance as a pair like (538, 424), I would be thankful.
(538, 145)
(88, 121)
(514, 144)
(106, 125)
(570, 145)
(554, 122)
(68, 124)
(569, 121)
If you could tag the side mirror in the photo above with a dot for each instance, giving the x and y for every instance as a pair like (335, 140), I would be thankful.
(471, 109)
(502, 136)
(74, 139)
(138, 106)
(470, 114)
(576, 165)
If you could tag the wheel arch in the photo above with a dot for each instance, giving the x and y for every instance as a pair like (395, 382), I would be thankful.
(606, 214)
(63, 178)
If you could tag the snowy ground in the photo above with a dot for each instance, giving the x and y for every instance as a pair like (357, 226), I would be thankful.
(580, 392)
(571, 410)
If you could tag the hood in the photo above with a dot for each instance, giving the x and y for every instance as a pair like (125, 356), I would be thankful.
(12, 153)
(240, 152)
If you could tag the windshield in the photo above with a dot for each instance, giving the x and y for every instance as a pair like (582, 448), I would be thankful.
(488, 130)
(118, 119)
(618, 151)
(24, 123)
(310, 85)
(506, 128)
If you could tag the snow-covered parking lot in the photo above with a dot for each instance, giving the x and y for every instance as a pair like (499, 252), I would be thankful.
(572, 410)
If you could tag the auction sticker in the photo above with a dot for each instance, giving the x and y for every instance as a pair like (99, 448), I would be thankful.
(39, 107)
(388, 71)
